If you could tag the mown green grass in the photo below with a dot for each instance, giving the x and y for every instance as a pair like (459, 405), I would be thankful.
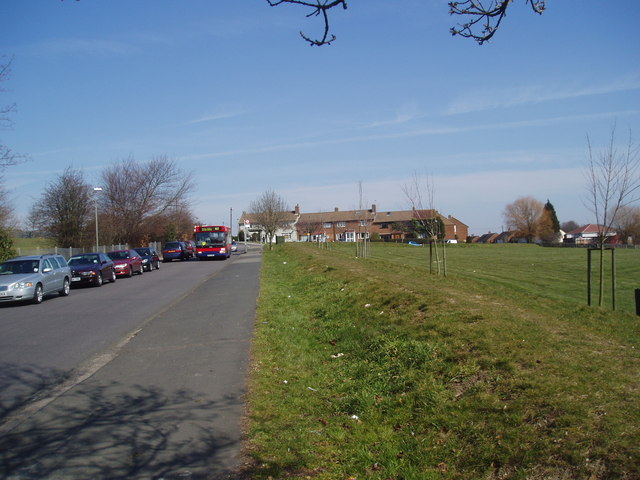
(558, 273)
(373, 369)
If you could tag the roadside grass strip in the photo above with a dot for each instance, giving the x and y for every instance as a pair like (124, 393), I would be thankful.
(372, 369)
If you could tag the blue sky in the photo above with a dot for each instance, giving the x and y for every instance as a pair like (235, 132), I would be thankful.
(229, 90)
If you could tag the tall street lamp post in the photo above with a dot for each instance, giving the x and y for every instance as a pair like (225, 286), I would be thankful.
(96, 190)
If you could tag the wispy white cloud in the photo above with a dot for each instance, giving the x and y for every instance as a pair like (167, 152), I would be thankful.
(88, 46)
(127, 44)
(531, 94)
(214, 117)
(414, 132)
(405, 114)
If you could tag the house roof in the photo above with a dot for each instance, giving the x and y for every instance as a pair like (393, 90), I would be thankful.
(590, 228)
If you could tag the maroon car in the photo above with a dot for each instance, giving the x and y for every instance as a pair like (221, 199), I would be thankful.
(127, 262)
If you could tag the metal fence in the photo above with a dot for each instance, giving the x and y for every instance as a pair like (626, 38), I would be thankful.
(68, 252)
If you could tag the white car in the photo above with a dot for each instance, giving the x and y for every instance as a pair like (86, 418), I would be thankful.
(32, 278)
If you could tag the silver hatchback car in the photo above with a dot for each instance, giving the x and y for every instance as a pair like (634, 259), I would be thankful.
(31, 278)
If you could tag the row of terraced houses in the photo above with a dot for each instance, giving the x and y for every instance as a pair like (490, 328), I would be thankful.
(351, 225)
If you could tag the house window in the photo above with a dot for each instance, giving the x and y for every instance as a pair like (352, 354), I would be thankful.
(342, 224)
(327, 225)
(363, 223)
(384, 225)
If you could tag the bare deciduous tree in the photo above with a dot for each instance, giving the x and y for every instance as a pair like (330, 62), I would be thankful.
(627, 224)
(485, 15)
(64, 209)
(569, 226)
(613, 182)
(133, 193)
(7, 155)
(523, 216)
(270, 212)
(6, 212)
(419, 191)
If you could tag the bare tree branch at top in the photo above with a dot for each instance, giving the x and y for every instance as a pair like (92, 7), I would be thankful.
(484, 21)
(320, 8)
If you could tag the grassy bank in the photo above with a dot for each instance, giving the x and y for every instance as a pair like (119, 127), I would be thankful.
(372, 369)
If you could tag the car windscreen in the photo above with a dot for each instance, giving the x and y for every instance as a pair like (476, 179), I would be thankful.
(83, 260)
(118, 255)
(19, 267)
(145, 252)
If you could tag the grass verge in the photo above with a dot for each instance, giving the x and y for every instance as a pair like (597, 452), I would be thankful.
(372, 369)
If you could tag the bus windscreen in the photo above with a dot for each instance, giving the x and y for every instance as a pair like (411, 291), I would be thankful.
(211, 239)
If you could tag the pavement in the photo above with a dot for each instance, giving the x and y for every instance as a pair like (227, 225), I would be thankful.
(168, 405)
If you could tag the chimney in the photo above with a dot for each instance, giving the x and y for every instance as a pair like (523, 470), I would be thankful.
(297, 211)
(373, 208)
(335, 209)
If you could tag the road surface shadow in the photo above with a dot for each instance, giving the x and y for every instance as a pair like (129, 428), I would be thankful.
(115, 431)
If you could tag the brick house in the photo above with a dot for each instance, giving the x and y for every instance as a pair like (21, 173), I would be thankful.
(351, 225)
(336, 226)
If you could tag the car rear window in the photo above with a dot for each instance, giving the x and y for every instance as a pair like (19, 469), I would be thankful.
(172, 245)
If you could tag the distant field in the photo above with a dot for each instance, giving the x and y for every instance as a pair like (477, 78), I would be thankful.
(530, 270)
(33, 242)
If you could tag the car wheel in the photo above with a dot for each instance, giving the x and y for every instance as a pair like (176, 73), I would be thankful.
(66, 288)
(141, 271)
(113, 276)
(130, 272)
(38, 294)
(157, 265)
(99, 280)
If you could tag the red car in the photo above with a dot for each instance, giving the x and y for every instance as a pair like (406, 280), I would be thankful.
(127, 262)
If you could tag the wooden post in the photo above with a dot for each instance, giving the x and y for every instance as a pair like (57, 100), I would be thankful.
(589, 276)
(613, 278)
(430, 257)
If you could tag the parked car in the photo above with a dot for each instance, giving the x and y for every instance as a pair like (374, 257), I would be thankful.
(150, 258)
(234, 246)
(91, 269)
(191, 248)
(127, 262)
(174, 250)
(31, 278)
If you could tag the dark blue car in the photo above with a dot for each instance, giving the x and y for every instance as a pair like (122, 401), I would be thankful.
(174, 251)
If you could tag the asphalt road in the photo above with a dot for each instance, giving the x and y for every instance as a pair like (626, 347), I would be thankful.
(142, 378)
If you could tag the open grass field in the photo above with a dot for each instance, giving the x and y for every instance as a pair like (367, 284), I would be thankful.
(524, 269)
(374, 369)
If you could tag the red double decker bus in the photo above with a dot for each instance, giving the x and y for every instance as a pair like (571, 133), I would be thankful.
(212, 241)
